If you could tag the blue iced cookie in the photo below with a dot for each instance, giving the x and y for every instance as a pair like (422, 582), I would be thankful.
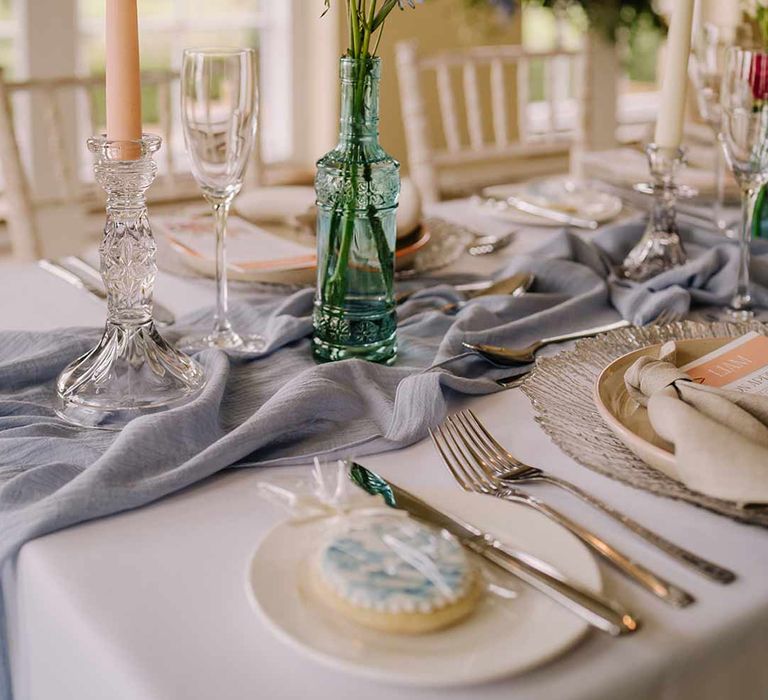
(397, 575)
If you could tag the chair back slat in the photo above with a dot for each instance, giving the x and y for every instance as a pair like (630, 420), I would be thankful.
(92, 108)
(25, 240)
(550, 97)
(71, 187)
(472, 102)
(523, 74)
(499, 103)
(165, 114)
(60, 161)
(541, 126)
(448, 107)
(417, 132)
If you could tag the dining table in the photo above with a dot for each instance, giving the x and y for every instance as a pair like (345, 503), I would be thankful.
(150, 604)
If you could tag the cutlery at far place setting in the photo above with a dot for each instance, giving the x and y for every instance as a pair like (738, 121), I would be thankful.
(162, 315)
(472, 473)
(489, 244)
(88, 283)
(606, 615)
(70, 277)
(523, 205)
(515, 285)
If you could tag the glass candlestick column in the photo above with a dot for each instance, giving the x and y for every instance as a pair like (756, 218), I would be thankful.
(660, 249)
(133, 370)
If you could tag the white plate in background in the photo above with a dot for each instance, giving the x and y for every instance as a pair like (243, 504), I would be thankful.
(561, 193)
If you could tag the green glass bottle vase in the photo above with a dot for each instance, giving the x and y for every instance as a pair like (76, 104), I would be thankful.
(357, 187)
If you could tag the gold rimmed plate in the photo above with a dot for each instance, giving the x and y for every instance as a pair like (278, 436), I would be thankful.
(627, 419)
(270, 253)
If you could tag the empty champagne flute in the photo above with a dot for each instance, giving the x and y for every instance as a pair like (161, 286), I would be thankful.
(218, 112)
(744, 101)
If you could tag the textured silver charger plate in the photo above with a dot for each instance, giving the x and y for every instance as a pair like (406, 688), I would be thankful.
(561, 390)
(447, 243)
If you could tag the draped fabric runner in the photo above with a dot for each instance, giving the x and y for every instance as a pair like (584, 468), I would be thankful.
(282, 408)
(720, 436)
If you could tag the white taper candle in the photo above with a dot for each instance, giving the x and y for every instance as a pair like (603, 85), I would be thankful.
(669, 126)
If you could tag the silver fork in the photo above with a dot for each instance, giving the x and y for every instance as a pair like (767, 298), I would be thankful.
(510, 469)
(473, 473)
(524, 355)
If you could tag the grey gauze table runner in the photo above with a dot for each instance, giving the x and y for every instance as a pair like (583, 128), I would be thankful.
(283, 408)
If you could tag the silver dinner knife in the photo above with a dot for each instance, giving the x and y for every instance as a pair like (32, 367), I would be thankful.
(606, 615)
(86, 277)
(71, 278)
(512, 202)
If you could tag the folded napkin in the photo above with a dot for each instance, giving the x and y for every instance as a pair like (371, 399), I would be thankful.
(707, 279)
(720, 437)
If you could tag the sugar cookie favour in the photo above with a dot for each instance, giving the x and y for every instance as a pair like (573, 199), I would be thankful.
(395, 574)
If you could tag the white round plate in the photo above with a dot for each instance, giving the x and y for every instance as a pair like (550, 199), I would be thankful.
(500, 638)
(573, 197)
(627, 419)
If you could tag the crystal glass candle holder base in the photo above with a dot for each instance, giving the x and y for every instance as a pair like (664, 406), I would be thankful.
(660, 249)
(133, 370)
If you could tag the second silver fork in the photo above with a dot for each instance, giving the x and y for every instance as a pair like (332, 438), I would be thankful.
(510, 469)
(473, 473)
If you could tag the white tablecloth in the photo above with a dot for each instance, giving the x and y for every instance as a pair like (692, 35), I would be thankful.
(150, 604)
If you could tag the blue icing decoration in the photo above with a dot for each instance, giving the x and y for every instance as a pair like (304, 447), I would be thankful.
(395, 565)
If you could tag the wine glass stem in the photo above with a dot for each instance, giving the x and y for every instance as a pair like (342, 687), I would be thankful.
(742, 301)
(221, 320)
(719, 189)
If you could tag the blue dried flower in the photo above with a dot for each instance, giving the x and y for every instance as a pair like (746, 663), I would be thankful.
(507, 6)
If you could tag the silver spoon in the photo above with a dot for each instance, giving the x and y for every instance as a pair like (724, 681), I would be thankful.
(512, 357)
(516, 285)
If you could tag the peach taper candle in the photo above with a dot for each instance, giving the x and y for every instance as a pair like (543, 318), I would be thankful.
(123, 73)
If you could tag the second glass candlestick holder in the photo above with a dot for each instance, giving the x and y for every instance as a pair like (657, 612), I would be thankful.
(133, 370)
(660, 249)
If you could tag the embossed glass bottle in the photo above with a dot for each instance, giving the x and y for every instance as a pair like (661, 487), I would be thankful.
(357, 187)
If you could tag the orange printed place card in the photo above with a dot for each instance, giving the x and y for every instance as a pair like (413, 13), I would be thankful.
(741, 365)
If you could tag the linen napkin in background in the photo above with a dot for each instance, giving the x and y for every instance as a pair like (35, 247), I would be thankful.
(720, 437)
(282, 408)
(707, 279)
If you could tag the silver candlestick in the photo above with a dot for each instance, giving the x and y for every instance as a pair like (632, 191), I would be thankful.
(132, 371)
(660, 249)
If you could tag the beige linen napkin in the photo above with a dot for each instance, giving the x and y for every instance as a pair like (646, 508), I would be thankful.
(720, 437)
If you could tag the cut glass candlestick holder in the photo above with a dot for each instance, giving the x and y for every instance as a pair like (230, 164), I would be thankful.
(660, 249)
(133, 370)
